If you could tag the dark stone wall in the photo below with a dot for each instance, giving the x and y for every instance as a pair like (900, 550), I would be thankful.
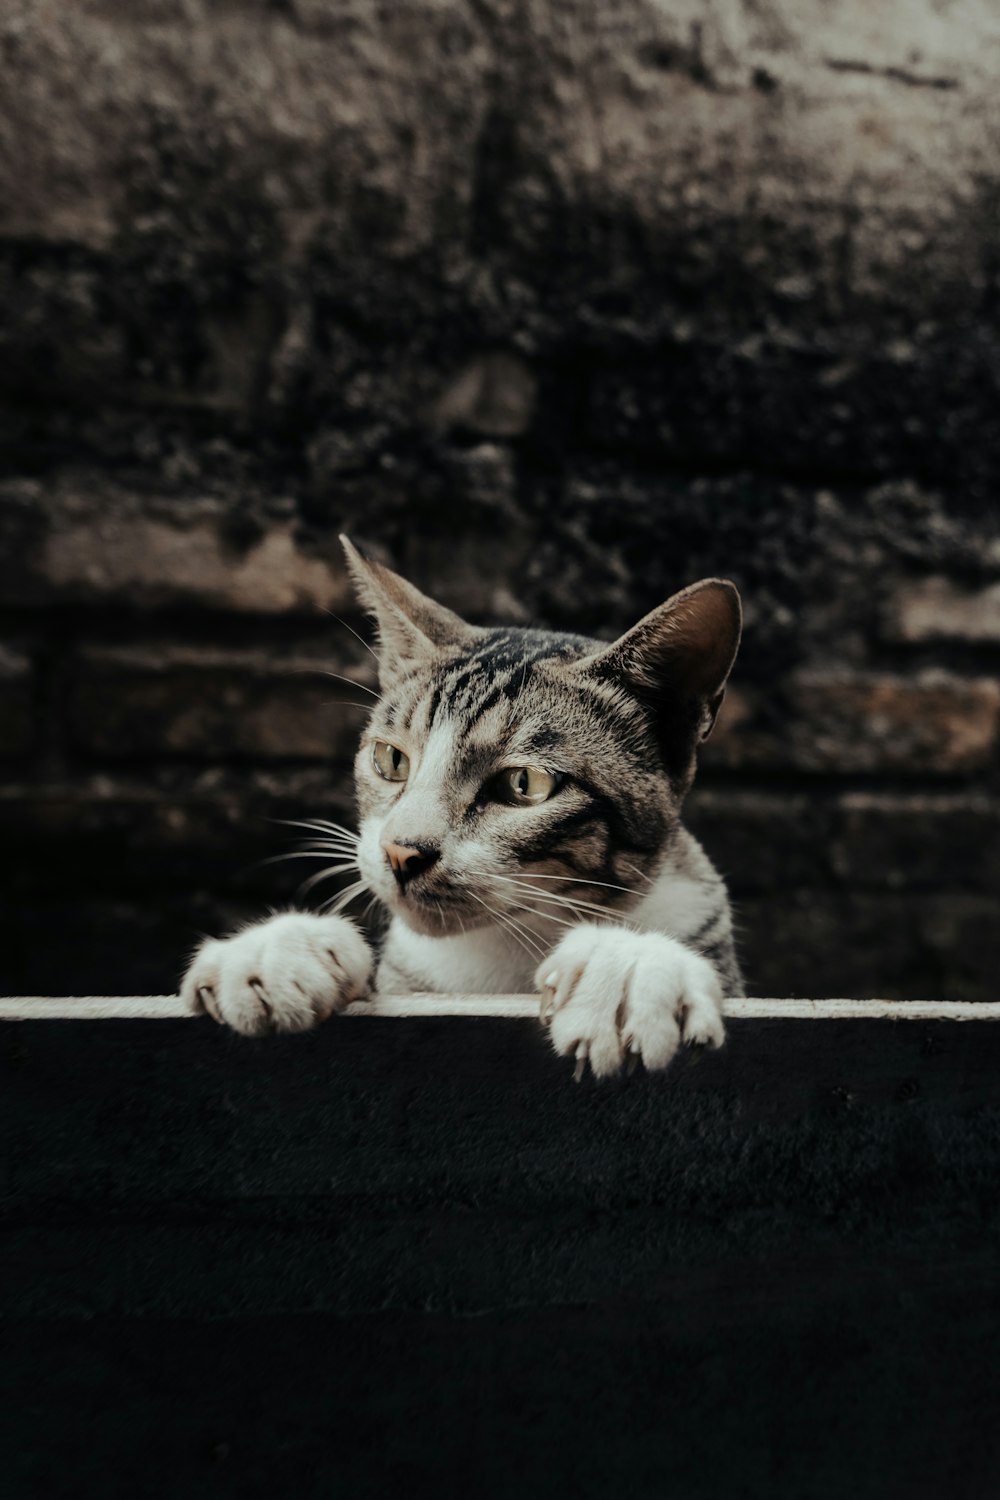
(558, 307)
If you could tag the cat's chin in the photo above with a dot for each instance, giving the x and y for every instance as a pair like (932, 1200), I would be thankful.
(436, 921)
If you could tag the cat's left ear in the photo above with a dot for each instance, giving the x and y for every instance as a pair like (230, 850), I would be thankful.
(412, 629)
(677, 660)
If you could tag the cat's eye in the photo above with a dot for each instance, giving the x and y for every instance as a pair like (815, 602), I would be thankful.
(391, 763)
(524, 786)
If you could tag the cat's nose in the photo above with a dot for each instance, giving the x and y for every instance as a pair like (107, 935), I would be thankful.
(409, 860)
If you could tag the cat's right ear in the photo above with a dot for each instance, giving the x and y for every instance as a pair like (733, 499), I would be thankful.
(412, 629)
(676, 661)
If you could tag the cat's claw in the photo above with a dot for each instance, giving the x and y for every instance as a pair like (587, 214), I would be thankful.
(548, 988)
(613, 997)
(204, 999)
(285, 974)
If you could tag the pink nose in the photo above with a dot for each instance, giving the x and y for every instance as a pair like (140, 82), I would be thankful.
(409, 860)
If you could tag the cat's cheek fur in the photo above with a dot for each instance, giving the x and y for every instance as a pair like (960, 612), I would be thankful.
(288, 974)
(608, 993)
(372, 861)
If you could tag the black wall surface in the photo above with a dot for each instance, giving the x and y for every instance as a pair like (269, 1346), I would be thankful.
(411, 1257)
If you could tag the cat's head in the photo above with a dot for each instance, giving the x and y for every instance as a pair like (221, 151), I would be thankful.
(506, 770)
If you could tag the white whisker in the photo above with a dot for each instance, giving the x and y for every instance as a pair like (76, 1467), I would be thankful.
(361, 687)
(315, 853)
(513, 928)
(355, 634)
(579, 880)
(525, 931)
(519, 934)
(327, 842)
(344, 898)
(553, 898)
(580, 910)
(545, 916)
(326, 874)
(319, 826)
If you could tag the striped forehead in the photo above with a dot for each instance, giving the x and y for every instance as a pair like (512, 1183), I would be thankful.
(496, 674)
(506, 697)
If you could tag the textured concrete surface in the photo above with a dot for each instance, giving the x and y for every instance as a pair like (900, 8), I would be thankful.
(408, 1254)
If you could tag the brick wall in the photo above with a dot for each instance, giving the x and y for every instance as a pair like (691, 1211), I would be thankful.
(560, 311)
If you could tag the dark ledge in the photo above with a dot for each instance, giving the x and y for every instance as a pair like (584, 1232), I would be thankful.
(405, 1255)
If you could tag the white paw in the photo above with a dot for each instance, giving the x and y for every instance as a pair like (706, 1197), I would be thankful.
(285, 974)
(613, 996)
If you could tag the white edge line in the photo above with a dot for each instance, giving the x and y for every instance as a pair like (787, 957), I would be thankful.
(504, 1007)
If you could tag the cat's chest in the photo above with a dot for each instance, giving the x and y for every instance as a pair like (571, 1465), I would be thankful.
(480, 962)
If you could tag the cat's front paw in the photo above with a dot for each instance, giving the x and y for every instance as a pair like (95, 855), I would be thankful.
(285, 974)
(610, 995)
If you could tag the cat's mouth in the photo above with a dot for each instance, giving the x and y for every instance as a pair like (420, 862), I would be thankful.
(440, 910)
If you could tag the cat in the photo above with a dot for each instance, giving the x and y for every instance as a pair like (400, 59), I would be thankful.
(519, 795)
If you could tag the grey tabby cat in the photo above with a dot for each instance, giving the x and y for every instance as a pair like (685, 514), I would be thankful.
(519, 795)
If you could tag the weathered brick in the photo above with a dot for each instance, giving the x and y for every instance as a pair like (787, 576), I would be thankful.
(165, 828)
(739, 731)
(918, 842)
(937, 945)
(125, 945)
(88, 540)
(210, 705)
(850, 722)
(763, 841)
(864, 841)
(937, 609)
(153, 563)
(933, 722)
(941, 945)
(493, 395)
(16, 719)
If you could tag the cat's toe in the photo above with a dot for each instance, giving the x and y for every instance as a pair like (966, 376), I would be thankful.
(308, 978)
(674, 997)
(580, 1031)
(702, 1024)
(201, 982)
(244, 1002)
(649, 1020)
(699, 1003)
(222, 982)
(587, 974)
